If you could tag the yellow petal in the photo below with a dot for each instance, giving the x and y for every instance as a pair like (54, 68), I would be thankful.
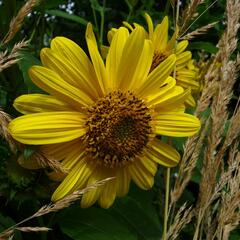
(130, 57)
(73, 73)
(190, 101)
(176, 125)
(74, 156)
(162, 153)
(89, 198)
(160, 35)
(183, 59)
(181, 46)
(104, 51)
(167, 86)
(56, 176)
(123, 182)
(140, 175)
(52, 83)
(187, 83)
(60, 151)
(143, 66)
(70, 50)
(110, 34)
(171, 43)
(96, 58)
(114, 56)
(47, 128)
(127, 25)
(186, 78)
(34, 103)
(174, 108)
(156, 78)
(136, 25)
(150, 165)
(177, 96)
(108, 194)
(80, 173)
(29, 163)
(150, 26)
(192, 66)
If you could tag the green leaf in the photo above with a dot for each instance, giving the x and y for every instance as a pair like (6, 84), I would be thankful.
(177, 143)
(197, 174)
(235, 235)
(206, 113)
(206, 46)
(137, 218)
(131, 3)
(3, 98)
(53, 3)
(130, 218)
(26, 61)
(145, 200)
(6, 222)
(7, 11)
(226, 128)
(18, 175)
(95, 5)
(28, 152)
(93, 223)
(68, 16)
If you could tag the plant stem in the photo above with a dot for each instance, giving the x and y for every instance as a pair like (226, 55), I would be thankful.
(95, 20)
(168, 170)
(102, 22)
(167, 6)
(177, 13)
(167, 189)
(130, 7)
(199, 220)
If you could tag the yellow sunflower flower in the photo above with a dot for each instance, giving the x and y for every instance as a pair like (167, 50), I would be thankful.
(101, 119)
(163, 48)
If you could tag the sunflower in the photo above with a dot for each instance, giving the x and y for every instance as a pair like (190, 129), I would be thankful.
(163, 47)
(101, 119)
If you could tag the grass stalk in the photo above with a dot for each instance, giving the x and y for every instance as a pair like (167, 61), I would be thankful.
(167, 190)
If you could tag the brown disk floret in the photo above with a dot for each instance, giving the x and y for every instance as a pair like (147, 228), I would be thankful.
(158, 57)
(118, 128)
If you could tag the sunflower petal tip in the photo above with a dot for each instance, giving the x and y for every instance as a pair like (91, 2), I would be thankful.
(15, 105)
(84, 204)
(105, 205)
(89, 30)
(53, 198)
(186, 42)
(9, 127)
(146, 15)
(89, 25)
(32, 70)
(197, 124)
(43, 52)
(172, 57)
(57, 195)
(165, 19)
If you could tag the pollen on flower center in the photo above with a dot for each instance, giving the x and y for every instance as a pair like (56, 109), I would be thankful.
(118, 128)
(158, 57)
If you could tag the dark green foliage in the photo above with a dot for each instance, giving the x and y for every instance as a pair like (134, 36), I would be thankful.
(132, 217)
(26, 61)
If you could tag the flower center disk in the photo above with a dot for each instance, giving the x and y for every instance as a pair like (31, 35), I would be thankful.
(118, 128)
(158, 57)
